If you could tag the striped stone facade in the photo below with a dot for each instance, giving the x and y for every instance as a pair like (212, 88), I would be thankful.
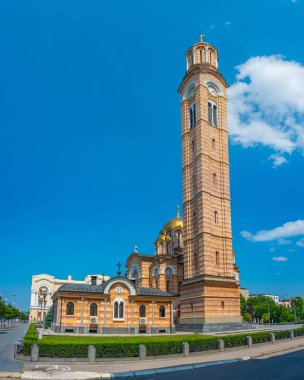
(210, 291)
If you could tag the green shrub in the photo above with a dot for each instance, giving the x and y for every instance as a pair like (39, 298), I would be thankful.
(299, 331)
(30, 338)
(247, 317)
(283, 334)
(197, 345)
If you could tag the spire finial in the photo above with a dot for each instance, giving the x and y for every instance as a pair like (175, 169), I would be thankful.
(177, 210)
(119, 271)
(201, 37)
(136, 249)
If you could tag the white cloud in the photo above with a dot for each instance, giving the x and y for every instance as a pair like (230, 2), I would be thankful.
(278, 160)
(266, 106)
(227, 23)
(288, 229)
(280, 258)
(300, 243)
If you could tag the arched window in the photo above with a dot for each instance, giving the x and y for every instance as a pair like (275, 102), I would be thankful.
(168, 272)
(223, 305)
(213, 144)
(192, 115)
(70, 308)
(168, 286)
(93, 309)
(168, 248)
(201, 56)
(162, 311)
(119, 309)
(195, 260)
(215, 115)
(212, 114)
(214, 179)
(142, 311)
(194, 218)
(156, 272)
(209, 112)
(194, 183)
(217, 258)
(193, 147)
(215, 217)
(135, 275)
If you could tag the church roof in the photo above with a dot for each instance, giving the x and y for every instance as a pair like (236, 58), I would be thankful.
(87, 288)
(82, 288)
(152, 292)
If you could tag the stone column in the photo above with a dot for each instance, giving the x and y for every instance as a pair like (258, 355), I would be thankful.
(82, 310)
(105, 314)
(33, 303)
(153, 315)
(132, 313)
(172, 317)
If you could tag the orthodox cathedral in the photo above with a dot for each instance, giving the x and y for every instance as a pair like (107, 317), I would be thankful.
(190, 283)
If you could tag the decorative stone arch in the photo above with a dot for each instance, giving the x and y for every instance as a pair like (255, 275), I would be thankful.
(192, 85)
(168, 266)
(134, 266)
(153, 269)
(110, 283)
(43, 285)
(211, 83)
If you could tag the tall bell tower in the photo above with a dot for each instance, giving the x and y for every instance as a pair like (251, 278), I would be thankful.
(210, 291)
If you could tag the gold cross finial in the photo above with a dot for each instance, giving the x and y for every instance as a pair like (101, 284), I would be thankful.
(177, 210)
(202, 37)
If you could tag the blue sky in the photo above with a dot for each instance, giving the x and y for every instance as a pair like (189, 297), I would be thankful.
(90, 133)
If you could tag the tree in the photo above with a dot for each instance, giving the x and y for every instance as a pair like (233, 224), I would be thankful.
(247, 317)
(260, 305)
(297, 305)
(49, 318)
(243, 304)
(265, 318)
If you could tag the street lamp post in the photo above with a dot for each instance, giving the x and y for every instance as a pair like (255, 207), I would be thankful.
(44, 294)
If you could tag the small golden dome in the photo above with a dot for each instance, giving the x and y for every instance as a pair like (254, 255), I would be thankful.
(174, 223)
(161, 238)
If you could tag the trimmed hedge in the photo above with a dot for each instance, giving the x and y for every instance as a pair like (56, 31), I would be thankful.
(30, 338)
(298, 331)
(118, 347)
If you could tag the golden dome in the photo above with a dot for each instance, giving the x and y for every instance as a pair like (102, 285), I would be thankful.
(174, 223)
(161, 238)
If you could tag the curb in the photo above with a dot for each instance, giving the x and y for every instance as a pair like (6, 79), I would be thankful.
(158, 371)
(114, 375)
(10, 375)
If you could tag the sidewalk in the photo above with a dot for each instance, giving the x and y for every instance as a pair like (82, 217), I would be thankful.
(134, 367)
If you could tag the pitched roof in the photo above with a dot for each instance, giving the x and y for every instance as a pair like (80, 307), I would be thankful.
(82, 288)
(88, 288)
(152, 292)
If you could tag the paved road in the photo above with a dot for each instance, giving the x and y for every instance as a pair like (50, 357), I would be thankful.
(284, 367)
(7, 340)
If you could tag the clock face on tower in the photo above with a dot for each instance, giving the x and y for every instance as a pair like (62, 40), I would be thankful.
(212, 91)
